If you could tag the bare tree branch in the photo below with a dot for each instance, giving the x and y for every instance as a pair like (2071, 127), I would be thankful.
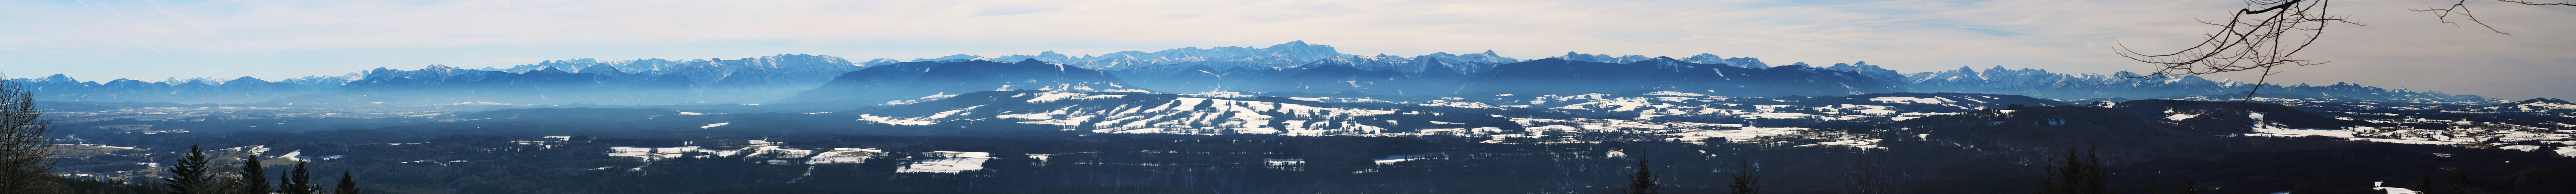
(24, 167)
(2461, 8)
(2527, 2)
(2266, 38)
(2249, 39)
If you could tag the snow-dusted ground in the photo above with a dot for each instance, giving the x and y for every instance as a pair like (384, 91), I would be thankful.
(2457, 132)
(2391, 190)
(763, 151)
(1284, 164)
(650, 153)
(1215, 113)
(2569, 151)
(1675, 115)
(92, 145)
(253, 149)
(845, 156)
(1400, 158)
(2460, 132)
(1738, 135)
(953, 162)
(1177, 116)
(936, 161)
(1218, 113)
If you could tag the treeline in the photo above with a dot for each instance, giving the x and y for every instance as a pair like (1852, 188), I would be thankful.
(1235, 164)
(195, 174)
(1984, 152)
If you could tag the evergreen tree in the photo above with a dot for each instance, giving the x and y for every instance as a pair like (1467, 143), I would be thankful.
(229, 183)
(347, 184)
(1744, 181)
(2425, 185)
(1643, 182)
(2047, 183)
(106, 186)
(2459, 183)
(253, 181)
(1866, 179)
(2082, 174)
(298, 181)
(2190, 187)
(2091, 179)
(189, 176)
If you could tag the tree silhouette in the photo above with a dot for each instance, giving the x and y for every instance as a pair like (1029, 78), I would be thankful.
(1745, 183)
(253, 180)
(189, 176)
(2082, 174)
(2190, 187)
(1643, 182)
(298, 181)
(24, 167)
(348, 184)
(2459, 183)
(2424, 185)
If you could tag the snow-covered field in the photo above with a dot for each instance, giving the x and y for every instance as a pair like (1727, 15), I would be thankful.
(1214, 113)
(932, 162)
(947, 162)
(845, 156)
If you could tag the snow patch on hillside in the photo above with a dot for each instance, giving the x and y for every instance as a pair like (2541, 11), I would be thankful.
(845, 156)
(896, 121)
(1673, 93)
(650, 153)
(253, 149)
(1911, 100)
(1400, 158)
(954, 162)
(1460, 104)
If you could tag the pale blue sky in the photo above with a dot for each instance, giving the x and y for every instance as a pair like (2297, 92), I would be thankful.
(154, 40)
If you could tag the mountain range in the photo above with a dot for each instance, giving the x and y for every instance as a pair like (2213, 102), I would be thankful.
(1294, 67)
(1304, 118)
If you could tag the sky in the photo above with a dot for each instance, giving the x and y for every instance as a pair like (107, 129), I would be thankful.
(155, 40)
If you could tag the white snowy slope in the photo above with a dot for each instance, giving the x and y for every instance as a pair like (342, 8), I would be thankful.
(1183, 115)
(1232, 113)
(1668, 115)
(253, 149)
(2536, 105)
(1674, 103)
(1671, 103)
(1402, 158)
(845, 156)
(2458, 132)
(933, 162)
(1118, 113)
(947, 162)
(650, 153)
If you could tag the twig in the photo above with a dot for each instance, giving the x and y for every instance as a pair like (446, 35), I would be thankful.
(2461, 8)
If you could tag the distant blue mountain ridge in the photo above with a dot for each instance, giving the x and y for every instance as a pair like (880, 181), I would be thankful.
(1295, 67)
